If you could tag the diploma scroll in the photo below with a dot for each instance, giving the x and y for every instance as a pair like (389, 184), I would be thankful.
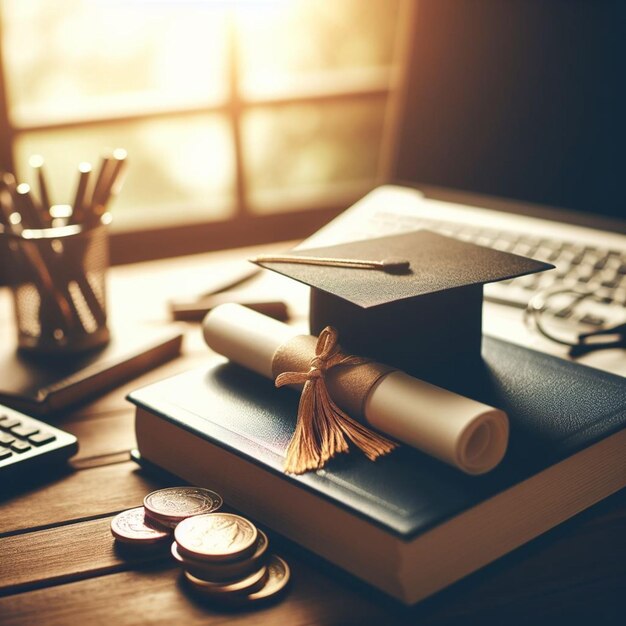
(457, 430)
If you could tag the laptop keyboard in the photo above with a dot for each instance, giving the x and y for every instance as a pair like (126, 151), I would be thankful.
(600, 270)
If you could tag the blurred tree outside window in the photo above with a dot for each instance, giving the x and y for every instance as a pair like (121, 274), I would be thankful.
(226, 108)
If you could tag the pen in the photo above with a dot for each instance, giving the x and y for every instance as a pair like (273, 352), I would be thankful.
(117, 180)
(6, 203)
(99, 186)
(78, 211)
(31, 215)
(36, 162)
(196, 310)
(111, 185)
(9, 197)
(87, 215)
(108, 184)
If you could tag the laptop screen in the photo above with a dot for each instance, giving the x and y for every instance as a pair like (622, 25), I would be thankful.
(517, 99)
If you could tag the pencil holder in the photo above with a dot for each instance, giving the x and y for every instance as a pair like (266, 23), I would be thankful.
(58, 284)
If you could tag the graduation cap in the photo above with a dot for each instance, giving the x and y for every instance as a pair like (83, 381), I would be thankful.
(413, 300)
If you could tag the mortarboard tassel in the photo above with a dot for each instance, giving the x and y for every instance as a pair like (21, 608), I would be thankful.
(322, 429)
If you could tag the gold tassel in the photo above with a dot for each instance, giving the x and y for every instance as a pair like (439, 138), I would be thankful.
(322, 429)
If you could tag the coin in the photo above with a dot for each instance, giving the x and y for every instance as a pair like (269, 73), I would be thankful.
(278, 575)
(216, 537)
(170, 506)
(130, 527)
(225, 570)
(246, 585)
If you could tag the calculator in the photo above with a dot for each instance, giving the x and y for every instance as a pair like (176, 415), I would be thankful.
(27, 443)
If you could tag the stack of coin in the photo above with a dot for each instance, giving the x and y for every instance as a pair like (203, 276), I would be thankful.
(168, 507)
(131, 529)
(225, 558)
(151, 525)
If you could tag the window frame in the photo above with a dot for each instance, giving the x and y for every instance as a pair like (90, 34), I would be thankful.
(244, 227)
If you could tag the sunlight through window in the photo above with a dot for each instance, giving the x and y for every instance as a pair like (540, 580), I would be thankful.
(225, 108)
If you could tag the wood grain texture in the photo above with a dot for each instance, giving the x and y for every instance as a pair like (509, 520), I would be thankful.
(66, 553)
(159, 596)
(550, 581)
(58, 564)
(76, 496)
(319, 594)
(103, 434)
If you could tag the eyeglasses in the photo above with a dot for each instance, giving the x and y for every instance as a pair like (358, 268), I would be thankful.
(565, 315)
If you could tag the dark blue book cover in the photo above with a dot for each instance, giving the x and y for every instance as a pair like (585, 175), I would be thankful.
(556, 408)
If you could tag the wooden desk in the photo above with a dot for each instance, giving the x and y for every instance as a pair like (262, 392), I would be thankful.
(59, 565)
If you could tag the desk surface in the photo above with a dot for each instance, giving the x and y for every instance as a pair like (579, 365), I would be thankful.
(59, 565)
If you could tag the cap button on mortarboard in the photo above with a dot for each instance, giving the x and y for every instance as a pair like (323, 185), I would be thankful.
(395, 265)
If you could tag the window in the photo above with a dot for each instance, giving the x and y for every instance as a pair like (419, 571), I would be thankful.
(229, 110)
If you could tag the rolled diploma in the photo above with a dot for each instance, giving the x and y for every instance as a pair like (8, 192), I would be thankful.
(457, 430)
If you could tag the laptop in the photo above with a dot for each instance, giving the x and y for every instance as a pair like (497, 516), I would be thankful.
(508, 133)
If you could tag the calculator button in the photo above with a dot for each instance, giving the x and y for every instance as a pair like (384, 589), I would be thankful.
(20, 446)
(9, 423)
(24, 431)
(6, 438)
(39, 439)
(5, 454)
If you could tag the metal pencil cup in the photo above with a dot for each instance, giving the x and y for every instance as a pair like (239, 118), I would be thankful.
(58, 283)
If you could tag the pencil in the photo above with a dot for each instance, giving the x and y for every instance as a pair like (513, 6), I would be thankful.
(100, 184)
(115, 181)
(31, 216)
(6, 203)
(37, 163)
(9, 196)
(78, 212)
(121, 158)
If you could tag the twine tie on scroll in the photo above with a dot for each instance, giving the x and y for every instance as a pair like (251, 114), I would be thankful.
(322, 427)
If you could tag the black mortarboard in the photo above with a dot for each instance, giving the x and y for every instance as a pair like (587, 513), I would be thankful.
(417, 320)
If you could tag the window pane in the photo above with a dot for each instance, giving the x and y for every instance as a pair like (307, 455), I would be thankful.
(287, 44)
(68, 58)
(307, 151)
(180, 170)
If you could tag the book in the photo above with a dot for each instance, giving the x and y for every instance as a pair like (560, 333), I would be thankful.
(43, 385)
(407, 524)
